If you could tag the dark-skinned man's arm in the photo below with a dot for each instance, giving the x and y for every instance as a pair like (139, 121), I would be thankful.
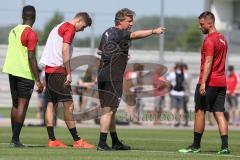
(34, 68)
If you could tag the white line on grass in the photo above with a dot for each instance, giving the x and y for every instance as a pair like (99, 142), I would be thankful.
(149, 151)
(158, 139)
(165, 139)
(190, 154)
(27, 145)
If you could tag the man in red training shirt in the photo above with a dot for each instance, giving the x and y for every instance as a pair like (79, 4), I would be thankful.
(211, 88)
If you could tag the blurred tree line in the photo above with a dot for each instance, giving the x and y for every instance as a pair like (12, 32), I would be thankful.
(182, 34)
(55, 20)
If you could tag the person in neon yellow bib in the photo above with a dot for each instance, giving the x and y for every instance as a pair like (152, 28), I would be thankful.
(21, 66)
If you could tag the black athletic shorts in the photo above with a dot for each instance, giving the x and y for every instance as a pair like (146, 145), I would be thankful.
(20, 88)
(56, 91)
(110, 93)
(213, 101)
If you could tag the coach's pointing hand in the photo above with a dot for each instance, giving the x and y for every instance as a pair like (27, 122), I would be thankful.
(158, 30)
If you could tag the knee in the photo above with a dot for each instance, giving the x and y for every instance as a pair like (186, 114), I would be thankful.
(200, 112)
(70, 109)
(20, 112)
(20, 116)
(218, 114)
(110, 113)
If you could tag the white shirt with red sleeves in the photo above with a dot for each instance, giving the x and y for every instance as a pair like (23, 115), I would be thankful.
(52, 53)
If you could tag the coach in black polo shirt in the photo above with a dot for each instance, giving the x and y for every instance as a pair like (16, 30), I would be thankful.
(113, 49)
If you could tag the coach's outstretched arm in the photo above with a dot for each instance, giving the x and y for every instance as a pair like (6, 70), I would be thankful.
(145, 33)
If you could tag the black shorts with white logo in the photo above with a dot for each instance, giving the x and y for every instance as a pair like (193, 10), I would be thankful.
(20, 88)
(56, 91)
(110, 93)
(213, 101)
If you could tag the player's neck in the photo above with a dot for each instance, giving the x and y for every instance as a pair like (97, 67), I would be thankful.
(212, 30)
(73, 22)
(29, 23)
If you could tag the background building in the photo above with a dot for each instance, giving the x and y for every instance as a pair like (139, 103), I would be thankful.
(227, 14)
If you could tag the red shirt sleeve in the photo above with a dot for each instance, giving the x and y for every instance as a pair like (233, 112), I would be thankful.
(67, 32)
(68, 36)
(29, 39)
(32, 41)
(209, 47)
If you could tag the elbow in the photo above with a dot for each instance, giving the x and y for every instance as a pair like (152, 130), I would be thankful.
(30, 57)
(134, 36)
(209, 64)
(64, 52)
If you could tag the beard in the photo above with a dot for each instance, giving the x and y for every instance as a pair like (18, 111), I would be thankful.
(205, 31)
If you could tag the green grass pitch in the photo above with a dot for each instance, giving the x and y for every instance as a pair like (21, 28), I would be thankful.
(147, 144)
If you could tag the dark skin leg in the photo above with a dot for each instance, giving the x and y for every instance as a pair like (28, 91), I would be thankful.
(18, 113)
